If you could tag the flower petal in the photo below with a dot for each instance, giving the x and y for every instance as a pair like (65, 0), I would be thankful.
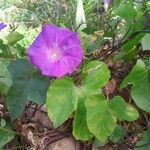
(2, 25)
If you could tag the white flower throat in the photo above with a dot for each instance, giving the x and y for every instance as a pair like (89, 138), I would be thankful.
(54, 54)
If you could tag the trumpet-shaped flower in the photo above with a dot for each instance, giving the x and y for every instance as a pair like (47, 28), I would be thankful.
(56, 51)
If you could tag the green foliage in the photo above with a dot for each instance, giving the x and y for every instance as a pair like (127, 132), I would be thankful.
(28, 85)
(5, 78)
(64, 97)
(96, 75)
(121, 10)
(122, 110)
(12, 46)
(80, 129)
(100, 121)
(4, 50)
(34, 13)
(118, 134)
(98, 144)
(136, 26)
(14, 37)
(139, 77)
(6, 135)
(145, 42)
(144, 143)
(61, 97)
(134, 23)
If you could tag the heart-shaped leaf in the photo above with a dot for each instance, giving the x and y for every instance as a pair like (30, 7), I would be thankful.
(61, 100)
(122, 110)
(140, 91)
(100, 122)
(28, 85)
(96, 75)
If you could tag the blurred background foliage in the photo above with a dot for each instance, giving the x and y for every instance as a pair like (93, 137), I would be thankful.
(27, 16)
(33, 13)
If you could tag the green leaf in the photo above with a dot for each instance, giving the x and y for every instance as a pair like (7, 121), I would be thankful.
(5, 78)
(137, 25)
(89, 30)
(14, 37)
(28, 85)
(80, 129)
(118, 134)
(129, 48)
(145, 42)
(116, 3)
(144, 143)
(97, 75)
(100, 122)
(140, 91)
(6, 135)
(61, 100)
(98, 144)
(141, 94)
(122, 110)
(135, 75)
(4, 50)
(2, 122)
(126, 10)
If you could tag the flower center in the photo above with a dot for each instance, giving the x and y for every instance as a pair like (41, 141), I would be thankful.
(54, 55)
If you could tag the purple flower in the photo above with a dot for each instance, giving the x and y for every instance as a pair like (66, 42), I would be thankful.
(106, 4)
(56, 51)
(2, 25)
